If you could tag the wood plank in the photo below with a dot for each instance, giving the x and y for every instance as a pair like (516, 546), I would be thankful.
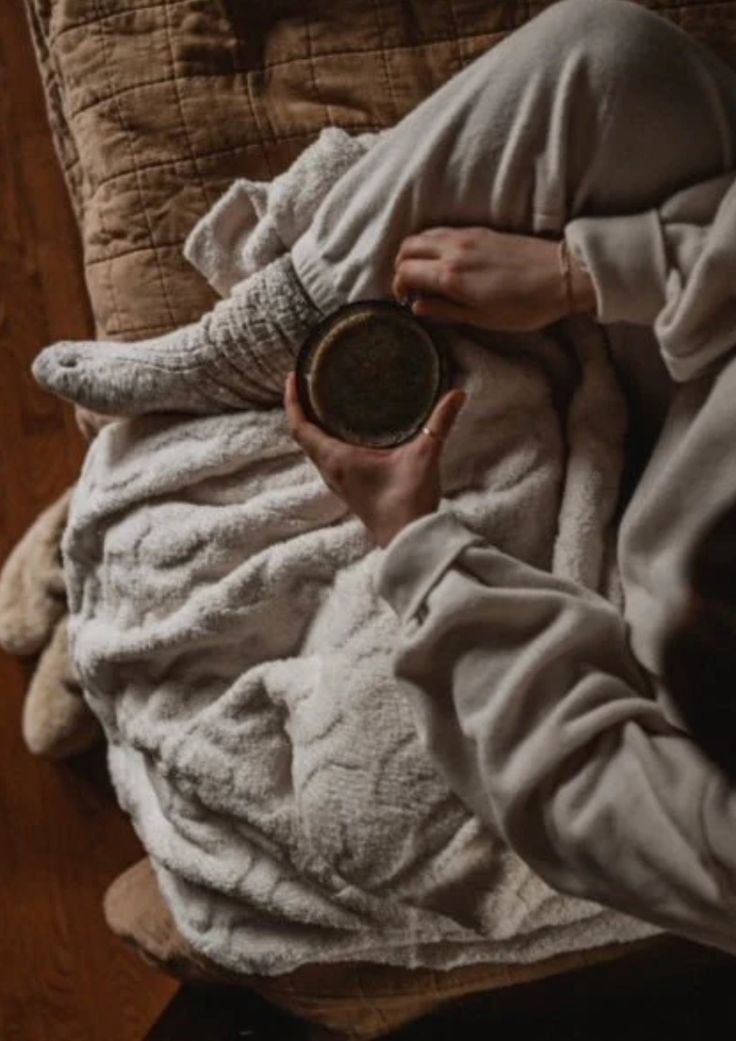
(62, 836)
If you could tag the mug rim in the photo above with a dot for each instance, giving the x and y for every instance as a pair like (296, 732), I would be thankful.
(318, 331)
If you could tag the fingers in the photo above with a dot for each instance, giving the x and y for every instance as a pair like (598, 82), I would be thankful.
(440, 422)
(442, 310)
(428, 276)
(329, 453)
(446, 412)
(434, 261)
(425, 245)
(431, 242)
(319, 446)
(304, 432)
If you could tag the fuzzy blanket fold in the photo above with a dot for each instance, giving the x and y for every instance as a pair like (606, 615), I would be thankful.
(229, 638)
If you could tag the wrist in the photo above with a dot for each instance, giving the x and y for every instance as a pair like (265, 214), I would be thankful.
(577, 288)
(385, 533)
(583, 298)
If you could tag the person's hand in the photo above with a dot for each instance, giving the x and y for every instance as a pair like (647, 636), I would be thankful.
(386, 488)
(490, 279)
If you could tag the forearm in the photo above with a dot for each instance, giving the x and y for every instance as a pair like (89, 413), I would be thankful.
(528, 697)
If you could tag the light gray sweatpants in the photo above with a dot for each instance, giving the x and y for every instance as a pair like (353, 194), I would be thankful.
(592, 109)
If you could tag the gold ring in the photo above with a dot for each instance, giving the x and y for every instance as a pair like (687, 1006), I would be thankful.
(432, 433)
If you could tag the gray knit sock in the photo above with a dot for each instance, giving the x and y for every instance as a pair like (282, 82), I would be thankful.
(236, 356)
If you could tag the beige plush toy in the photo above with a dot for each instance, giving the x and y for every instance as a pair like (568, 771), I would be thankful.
(33, 621)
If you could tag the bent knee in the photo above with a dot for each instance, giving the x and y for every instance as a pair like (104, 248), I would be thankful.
(617, 37)
(615, 16)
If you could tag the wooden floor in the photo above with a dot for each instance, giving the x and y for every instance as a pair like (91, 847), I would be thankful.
(62, 836)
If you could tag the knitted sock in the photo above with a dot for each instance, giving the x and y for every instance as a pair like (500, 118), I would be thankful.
(234, 357)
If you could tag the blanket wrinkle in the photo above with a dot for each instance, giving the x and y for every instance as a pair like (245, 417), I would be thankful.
(226, 626)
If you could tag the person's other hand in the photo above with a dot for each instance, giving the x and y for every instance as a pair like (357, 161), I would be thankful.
(490, 279)
(386, 488)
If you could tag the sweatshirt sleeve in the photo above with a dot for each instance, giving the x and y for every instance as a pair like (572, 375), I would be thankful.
(528, 698)
(672, 267)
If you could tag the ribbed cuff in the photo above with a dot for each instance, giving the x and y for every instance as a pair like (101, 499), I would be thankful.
(626, 259)
(685, 367)
(416, 558)
(314, 275)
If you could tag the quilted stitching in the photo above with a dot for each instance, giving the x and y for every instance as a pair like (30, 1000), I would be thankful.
(156, 107)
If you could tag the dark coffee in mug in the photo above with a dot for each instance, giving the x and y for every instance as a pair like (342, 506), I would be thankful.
(371, 373)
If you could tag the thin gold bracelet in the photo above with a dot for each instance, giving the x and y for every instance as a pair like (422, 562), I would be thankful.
(564, 258)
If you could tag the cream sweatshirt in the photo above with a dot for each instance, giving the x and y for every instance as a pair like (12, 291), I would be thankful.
(541, 704)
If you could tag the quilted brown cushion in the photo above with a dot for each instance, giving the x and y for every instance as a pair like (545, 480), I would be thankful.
(156, 106)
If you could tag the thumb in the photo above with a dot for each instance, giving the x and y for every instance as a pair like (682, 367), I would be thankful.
(446, 412)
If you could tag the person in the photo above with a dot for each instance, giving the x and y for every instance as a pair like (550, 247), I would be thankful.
(601, 126)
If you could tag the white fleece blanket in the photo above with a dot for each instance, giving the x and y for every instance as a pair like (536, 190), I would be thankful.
(229, 637)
